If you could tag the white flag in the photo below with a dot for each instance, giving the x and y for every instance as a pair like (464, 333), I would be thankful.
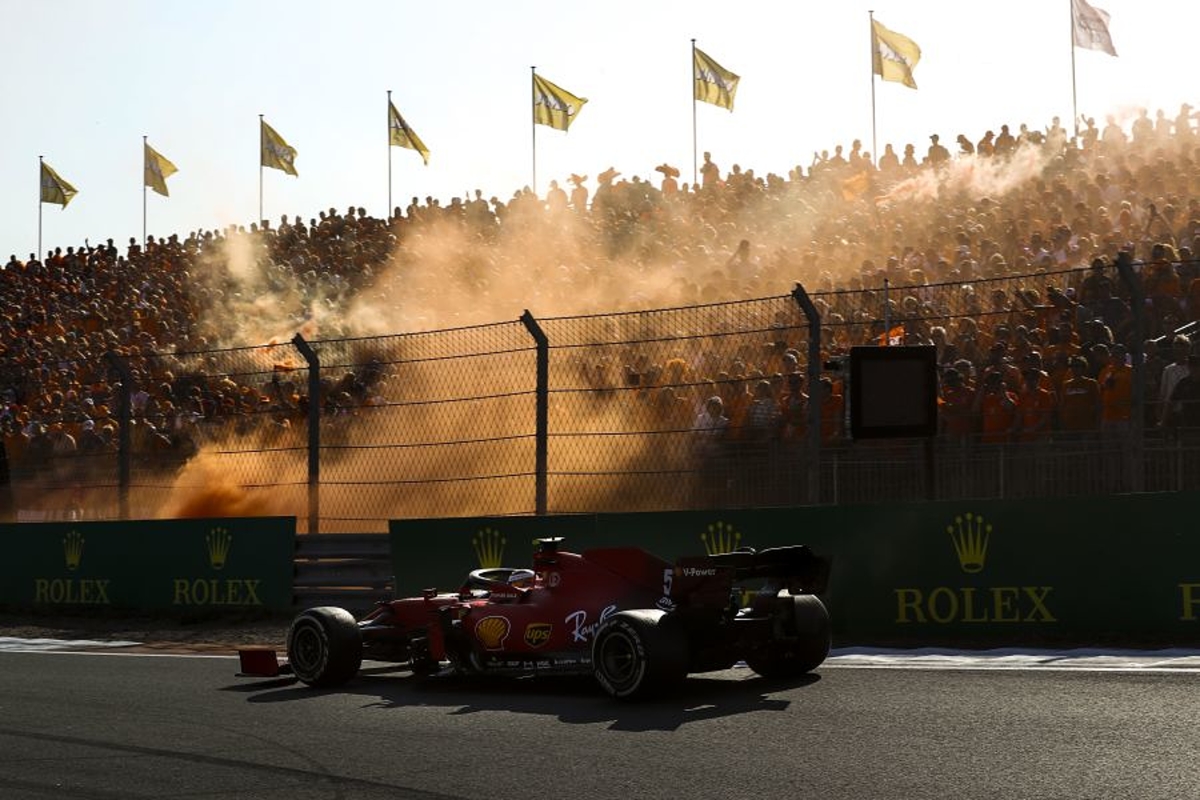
(1089, 27)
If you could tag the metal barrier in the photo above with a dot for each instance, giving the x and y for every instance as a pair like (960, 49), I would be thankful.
(353, 571)
(569, 415)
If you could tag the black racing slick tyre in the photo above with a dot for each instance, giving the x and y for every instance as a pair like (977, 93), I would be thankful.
(800, 638)
(324, 646)
(637, 653)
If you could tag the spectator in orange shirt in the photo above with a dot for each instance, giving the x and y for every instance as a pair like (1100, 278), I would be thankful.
(1159, 277)
(1079, 401)
(794, 406)
(1034, 361)
(1036, 408)
(1163, 287)
(1192, 300)
(1057, 343)
(833, 412)
(996, 408)
(1059, 372)
(956, 418)
(1116, 391)
(998, 362)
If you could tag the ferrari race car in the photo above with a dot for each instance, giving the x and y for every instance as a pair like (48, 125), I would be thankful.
(635, 621)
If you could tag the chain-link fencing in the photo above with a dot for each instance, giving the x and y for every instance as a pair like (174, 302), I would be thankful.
(696, 407)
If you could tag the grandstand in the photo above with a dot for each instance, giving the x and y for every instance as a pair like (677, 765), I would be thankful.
(165, 374)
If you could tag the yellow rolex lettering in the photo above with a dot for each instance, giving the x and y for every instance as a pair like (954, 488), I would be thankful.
(71, 591)
(1004, 604)
(252, 593)
(214, 592)
(201, 592)
(1039, 612)
(950, 604)
(909, 600)
(1189, 597)
(968, 605)
(93, 592)
(944, 605)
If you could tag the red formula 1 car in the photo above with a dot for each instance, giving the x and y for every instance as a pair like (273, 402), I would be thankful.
(635, 621)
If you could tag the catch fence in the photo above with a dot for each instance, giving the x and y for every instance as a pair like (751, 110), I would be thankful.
(575, 414)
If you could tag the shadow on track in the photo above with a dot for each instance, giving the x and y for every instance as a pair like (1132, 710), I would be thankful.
(574, 700)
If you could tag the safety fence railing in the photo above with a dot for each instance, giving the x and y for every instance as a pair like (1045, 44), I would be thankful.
(695, 407)
(628, 394)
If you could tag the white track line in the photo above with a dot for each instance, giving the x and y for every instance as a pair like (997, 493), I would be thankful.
(10, 644)
(1030, 659)
(1171, 660)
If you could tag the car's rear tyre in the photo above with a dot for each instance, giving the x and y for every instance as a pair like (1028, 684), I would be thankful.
(637, 653)
(324, 646)
(800, 639)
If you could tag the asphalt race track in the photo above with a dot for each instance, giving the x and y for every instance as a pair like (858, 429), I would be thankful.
(104, 727)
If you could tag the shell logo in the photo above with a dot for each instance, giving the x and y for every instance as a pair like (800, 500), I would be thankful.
(492, 631)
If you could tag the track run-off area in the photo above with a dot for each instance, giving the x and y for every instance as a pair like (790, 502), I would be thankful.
(869, 723)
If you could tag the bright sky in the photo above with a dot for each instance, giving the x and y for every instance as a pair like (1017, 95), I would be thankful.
(86, 79)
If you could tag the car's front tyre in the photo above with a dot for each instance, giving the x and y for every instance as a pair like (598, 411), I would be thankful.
(324, 646)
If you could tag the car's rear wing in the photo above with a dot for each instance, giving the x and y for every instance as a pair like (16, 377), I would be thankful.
(796, 566)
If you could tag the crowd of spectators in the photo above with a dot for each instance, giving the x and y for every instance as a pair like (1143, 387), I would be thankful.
(999, 254)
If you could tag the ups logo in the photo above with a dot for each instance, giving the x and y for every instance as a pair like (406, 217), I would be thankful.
(537, 633)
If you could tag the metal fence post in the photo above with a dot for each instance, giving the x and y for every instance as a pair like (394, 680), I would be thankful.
(812, 444)
(314, 432)
(543, 410)
(1137, 302)
(124, 430)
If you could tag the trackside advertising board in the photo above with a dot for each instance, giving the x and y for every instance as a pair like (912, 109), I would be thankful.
(189, 566)
(989, 572)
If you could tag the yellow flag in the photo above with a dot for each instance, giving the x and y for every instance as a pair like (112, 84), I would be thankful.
(554, 106)
(714, 83)
(404, 136)
(157, 169)
(54, 188)
(894, 55)
(276, 153)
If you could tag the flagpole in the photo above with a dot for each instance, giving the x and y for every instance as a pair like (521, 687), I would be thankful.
(692, 73)
(144, 191)
(1074, 97)
(533, 111)
(260, 167)
(874, 143)
(39, 247)
(389, 147)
